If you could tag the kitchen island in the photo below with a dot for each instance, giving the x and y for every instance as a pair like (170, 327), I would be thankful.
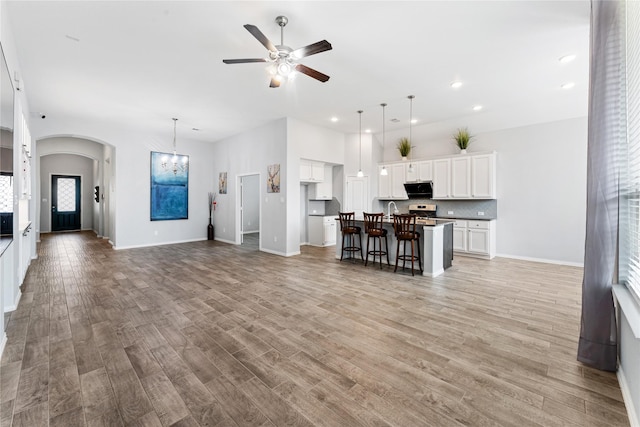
(436, 244)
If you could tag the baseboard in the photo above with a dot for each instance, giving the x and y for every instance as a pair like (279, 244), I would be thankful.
(14, 306)
(147, 245)
(3, 342)
(546, 261)
(634, 421)
(284, 254)
(225, 241)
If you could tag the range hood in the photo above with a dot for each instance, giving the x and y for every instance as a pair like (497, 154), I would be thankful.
(419, 190)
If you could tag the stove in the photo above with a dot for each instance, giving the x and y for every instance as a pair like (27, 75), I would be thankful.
(425, 214)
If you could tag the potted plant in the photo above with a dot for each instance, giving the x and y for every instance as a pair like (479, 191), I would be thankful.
(462, 138)
(404, 147)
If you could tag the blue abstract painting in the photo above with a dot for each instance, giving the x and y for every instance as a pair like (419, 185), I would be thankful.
(169, 186)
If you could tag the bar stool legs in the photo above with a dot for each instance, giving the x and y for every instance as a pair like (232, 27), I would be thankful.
(349, 229)
(377, 252)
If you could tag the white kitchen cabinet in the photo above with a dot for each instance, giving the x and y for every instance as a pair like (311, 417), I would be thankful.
(422, 171)
(475, 238)
(460, 236)
(463, 177)
(441, 184)
(483, 176)
(322, 190)
(460, 185)
(311, 171)
(322, 230)
(391, 186)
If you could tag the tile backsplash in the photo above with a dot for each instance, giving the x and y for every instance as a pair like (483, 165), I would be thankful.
(468, 209)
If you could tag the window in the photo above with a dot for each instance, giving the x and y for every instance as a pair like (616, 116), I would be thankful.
(630, 194)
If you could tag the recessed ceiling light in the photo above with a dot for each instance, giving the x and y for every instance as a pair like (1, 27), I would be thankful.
(567, 58)
(367, 130)
(477, 107)
(456, 85)
(334, 119)
(414, 121)
(568, 85)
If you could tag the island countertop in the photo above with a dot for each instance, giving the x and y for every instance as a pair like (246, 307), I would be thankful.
(436, 243)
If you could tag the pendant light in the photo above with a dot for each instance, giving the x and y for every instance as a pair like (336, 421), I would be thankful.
(175, 166)
(383, 171)
(410, 122)
(360, 173)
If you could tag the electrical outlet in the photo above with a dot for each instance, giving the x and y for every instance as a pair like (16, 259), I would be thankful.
(480, 213)
(224, 230)
(275, 238)
(450, 213)
(155, 233)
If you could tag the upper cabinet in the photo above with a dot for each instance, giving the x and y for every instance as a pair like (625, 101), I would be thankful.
(441, 180)
(456, 177)
(323, 190)
(461, 177)
(311, 171)
(483, 176)
(421, 171)
(391, 186)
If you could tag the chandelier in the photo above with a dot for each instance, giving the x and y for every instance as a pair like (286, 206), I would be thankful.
(178, 163)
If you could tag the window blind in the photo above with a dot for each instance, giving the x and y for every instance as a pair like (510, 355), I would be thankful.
(631, 184)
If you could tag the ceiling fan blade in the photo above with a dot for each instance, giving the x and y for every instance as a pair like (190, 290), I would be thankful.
(242, 61)
(312, 73)
(312, 49)
(274, 82)
(261, 37)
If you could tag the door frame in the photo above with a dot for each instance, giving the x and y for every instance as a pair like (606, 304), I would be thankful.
(238, 208)
(51, 175)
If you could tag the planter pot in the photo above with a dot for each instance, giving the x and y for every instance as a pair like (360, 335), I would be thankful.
(404, 158)
(463, 151)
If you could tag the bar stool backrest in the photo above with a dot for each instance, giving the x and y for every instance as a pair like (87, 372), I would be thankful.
(372, 221)
(347, 221)
(404, 226)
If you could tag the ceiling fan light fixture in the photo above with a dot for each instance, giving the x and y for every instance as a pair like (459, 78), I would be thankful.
(284, 68)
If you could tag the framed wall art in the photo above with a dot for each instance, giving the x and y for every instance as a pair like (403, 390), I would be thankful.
(222, 183)
(169, 186)
(273, 178)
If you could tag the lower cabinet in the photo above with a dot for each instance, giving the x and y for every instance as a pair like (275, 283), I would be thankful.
(475, 238)
(322, 230)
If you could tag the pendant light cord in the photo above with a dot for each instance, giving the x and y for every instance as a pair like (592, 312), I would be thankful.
(410, 124)
(360, 113)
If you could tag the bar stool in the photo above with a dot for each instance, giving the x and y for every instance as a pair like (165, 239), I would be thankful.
(349, 229)
(374, 230)
(405, 228)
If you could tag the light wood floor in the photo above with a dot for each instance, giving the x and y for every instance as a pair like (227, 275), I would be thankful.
(212, 334)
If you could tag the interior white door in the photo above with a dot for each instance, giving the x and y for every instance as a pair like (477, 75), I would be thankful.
(357, 195)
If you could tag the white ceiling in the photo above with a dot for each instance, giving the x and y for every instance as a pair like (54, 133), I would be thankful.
(140, 63)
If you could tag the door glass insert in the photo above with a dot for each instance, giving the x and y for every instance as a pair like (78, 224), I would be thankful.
(66, 194)
(6, 194)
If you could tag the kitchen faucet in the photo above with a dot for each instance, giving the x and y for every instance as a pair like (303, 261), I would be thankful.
(395, 209)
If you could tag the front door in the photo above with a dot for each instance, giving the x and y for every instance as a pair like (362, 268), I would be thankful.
(65, 203)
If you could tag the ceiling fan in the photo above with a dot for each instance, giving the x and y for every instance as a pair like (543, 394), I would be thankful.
(284, 58)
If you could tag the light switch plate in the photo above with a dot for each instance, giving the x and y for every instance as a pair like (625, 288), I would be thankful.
(450, 213)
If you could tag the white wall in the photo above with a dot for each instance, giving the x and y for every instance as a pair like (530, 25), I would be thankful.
(250, 153)
(18, 250)
(541, 172)
(66, 164)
